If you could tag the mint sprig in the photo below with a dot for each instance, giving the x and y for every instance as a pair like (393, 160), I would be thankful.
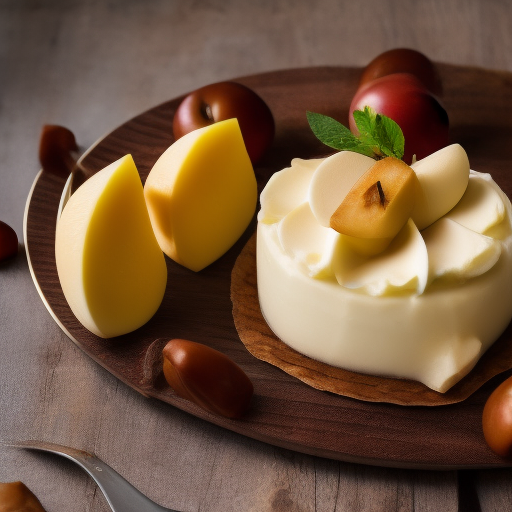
(379, 136)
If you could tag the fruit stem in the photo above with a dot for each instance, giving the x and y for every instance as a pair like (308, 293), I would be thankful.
(381, 194)
(206, 110)
(375, 195)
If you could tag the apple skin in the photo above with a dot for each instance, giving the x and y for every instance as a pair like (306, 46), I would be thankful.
(404, 60)
(226, 100)
(403, 98)
(497, 419)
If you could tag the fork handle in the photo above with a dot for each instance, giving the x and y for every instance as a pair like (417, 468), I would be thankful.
(119, 493)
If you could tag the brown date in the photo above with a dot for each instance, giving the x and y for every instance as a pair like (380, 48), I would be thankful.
(56, 145)
(17, 497)
(497, 419)
(8, 242)
(207, 377)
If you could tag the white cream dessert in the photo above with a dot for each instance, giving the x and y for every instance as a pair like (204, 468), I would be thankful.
(425, 308)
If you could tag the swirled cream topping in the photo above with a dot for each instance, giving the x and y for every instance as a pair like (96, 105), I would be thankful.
(423, 304)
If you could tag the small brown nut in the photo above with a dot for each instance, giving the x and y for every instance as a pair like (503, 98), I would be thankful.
(17, 497)
(207, 377)
(8, 242)
(497, 419)
(56, 145)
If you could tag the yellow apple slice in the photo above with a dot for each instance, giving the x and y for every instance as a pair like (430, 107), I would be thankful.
(111, 269)
(286, 190)
(458, 253)
(201, 194)
(380, 202)
(332, 181)
(481, 206)
(443, 177)
(311, 245)
(402, 267)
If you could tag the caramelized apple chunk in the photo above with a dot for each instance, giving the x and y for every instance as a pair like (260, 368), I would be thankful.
(380, 202)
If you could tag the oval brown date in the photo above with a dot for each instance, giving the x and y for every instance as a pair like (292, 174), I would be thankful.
(56, 145)
(207, 377)
(497, 419)
(17, 497)
(8, 242)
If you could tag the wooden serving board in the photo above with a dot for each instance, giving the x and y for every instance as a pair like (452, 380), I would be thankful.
(197, 306)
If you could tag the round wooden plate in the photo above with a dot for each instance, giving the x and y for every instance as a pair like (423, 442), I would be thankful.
(286, 412)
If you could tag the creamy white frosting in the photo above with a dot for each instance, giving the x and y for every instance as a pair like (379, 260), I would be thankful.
(426, 308)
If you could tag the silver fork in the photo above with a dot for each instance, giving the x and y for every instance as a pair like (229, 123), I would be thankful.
(120, 494)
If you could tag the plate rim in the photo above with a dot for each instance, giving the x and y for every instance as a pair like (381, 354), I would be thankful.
(345, 457)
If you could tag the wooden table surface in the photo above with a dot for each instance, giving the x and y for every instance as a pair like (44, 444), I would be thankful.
(91, 65)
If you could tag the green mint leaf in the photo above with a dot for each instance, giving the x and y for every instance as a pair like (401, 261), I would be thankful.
(328, 130)
(379, 136)
(357, 146)
(366, 125)
(390, 136)
(365, 122)
(380, 131)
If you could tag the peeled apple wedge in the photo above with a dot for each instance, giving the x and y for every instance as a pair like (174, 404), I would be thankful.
(332, 180)
(481, 207)
(402, 266)
(111, 269)
(443, 178)
(458, 253)
(201, 194)
(380, 203)
(313, 246)
(288, 189)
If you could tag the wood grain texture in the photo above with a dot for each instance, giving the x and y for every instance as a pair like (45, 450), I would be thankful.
(197, 306)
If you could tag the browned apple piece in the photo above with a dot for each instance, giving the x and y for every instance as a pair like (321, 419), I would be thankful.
(379, 203)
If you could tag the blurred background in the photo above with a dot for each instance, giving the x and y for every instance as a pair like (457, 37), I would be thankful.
(90, 65)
